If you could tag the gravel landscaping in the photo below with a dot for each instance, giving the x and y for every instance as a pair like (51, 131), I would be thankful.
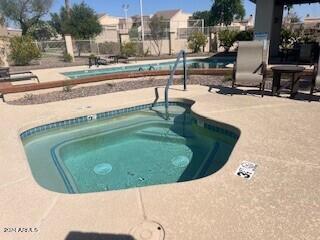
(69, 92)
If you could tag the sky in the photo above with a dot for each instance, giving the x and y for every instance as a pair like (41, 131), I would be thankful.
(114, 7)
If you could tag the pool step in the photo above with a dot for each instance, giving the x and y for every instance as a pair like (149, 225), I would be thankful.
(163, 134)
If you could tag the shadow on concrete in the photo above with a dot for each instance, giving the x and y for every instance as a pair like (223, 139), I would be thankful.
(301, 96)
(237, 91)
(97, 236)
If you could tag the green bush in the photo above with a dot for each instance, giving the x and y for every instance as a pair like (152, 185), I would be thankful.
(288, 38)
(227, 38)
(134, 33)
(245, 35)
(23, 50)
(67, 57)
(196, 41)
(109, 48)
(129, 49)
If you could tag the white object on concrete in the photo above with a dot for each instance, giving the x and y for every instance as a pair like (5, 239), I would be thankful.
(246, 170)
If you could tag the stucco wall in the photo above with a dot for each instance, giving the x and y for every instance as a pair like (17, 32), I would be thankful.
(180, 20)
(176, 46)
(108, 20)
(110, 27)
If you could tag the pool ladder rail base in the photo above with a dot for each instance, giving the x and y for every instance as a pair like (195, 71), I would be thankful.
(182, 54)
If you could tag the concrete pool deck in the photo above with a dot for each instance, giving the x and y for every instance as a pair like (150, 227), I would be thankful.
(281, 201)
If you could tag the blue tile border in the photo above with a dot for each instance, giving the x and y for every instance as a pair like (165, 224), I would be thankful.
(113, 113)
(223, 131)
(99, 116)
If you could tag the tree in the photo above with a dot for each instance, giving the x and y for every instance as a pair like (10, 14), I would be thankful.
(288, 7)
(67, 5)
(133, 33)
(205, 15)
(82, 23)
(196, 41)
(158, 31)
(25, 13)
(227, 38)
(246, 35)
(225, 11)
(58, 20)
(42, 31)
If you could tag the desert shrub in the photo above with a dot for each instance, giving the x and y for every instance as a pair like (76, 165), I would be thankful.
(67, 87)
(227, 38)
(196, 41)
(129, 49)
(23, 50)
(67, 57)
(245, 35)
(28, 96)
(288, 38)
(109, 48)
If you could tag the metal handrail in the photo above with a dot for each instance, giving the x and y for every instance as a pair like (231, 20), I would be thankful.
(183, 54)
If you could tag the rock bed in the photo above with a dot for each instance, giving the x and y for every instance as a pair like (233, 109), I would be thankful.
(77, 92)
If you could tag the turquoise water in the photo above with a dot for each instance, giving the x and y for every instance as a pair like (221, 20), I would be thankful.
(218, 62)
(132, 150)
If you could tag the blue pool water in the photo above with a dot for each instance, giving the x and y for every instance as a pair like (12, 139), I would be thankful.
(215, 62)
(126, 149)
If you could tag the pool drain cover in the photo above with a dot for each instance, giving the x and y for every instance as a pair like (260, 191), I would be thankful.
(102, 169)
(180, 161)
(148, 230)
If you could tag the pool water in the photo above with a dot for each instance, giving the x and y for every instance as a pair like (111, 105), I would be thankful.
(215, 62)
(130, 150)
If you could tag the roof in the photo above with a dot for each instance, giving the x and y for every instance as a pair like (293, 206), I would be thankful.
(167, 14)
(100, 15)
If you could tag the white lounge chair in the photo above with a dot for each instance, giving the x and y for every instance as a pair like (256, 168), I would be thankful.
(250, 69)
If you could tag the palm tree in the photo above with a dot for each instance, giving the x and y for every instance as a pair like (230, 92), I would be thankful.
(288, 7)
(67, 5)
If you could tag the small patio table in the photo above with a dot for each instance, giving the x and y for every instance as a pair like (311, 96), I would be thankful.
(294, 71)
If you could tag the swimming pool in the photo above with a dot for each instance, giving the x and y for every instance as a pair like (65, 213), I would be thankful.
(126, 148)
(214, 62)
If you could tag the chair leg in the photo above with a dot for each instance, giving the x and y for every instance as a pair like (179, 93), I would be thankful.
(311, 92)
(233, 85)
(262, 89)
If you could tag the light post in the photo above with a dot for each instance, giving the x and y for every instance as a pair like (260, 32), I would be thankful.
(142, 24)
(125, 8)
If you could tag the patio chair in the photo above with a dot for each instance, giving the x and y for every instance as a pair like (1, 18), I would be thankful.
(108, 59)
(250, 69)
(6, 75)
(315, 84)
